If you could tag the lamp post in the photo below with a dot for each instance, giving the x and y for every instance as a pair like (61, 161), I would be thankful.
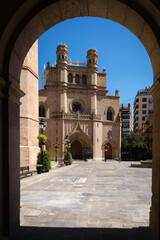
(42, 128)
(56, 146)
(105, 150)
(67, 145)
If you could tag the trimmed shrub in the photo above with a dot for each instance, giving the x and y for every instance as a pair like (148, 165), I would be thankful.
(46, 160)
(68, 156)
(42, 138)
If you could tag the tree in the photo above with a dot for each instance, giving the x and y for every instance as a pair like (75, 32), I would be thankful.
(134, 147)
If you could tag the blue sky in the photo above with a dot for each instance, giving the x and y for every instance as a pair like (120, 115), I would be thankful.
(126, 61)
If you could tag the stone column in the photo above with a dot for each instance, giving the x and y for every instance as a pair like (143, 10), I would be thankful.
(10, 157)
(63, 101)
(94, 140)
(94, 103)
(155, 205)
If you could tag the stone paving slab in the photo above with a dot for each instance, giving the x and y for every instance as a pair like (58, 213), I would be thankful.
(88, 195)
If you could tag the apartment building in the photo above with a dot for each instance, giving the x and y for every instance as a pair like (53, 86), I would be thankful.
(146, 130)
(126, 118)
(143, 106)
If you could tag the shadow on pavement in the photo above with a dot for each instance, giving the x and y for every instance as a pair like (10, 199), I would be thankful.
(44, 233)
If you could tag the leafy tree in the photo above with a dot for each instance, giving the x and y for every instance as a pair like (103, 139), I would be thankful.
(134, 147)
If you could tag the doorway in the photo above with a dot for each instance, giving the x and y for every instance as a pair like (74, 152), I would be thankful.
(76, 149)
(108, 154)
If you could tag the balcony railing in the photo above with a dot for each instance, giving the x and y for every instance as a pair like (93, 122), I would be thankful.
(78, 115)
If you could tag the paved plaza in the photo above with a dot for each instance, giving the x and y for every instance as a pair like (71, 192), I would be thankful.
(88, 195)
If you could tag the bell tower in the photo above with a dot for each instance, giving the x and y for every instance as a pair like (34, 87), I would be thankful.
(92, 57)
(62, 53)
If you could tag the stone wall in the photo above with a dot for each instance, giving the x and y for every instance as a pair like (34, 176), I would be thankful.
(29, 122)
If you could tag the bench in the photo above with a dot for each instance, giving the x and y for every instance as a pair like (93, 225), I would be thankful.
(24, 171)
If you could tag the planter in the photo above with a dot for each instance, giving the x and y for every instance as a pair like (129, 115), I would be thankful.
(39, 168)
(66, 162)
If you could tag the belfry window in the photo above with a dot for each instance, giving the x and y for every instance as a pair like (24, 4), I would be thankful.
(77, 79)
(41, 111)
(84, 79)
(109, 115)
(70, 78)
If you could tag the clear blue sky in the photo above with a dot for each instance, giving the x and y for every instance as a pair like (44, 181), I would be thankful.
(126, 61)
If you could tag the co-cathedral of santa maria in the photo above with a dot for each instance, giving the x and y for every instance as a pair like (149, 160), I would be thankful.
(74, 102)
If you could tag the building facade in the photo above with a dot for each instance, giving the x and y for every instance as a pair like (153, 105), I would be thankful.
(74, 102)
(126, 118)
(143, 105)
(29, 122)
(146, 131)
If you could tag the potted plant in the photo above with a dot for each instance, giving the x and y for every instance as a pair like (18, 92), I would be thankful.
(68, 158)
(46, 161)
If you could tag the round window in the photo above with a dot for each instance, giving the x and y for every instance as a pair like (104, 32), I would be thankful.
(76, 106)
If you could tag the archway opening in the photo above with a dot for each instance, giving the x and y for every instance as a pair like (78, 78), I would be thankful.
(81, 125)
(76, 149)
(108, 152)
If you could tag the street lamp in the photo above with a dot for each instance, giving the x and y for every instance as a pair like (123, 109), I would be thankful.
(56, 146)
(43, 147)
(67, 146)
(105, 150)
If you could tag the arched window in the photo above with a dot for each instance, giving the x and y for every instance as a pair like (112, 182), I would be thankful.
(84, 79)
(77, 79)
(41, 111)
(109, 114)
(70, 78)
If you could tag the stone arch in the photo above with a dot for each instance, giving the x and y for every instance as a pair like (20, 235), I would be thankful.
(84, 139)
(45, 108)
(114, 147)
(84, 79)
(70, 78)
(37, 20)
(77, 78)
(22, 24)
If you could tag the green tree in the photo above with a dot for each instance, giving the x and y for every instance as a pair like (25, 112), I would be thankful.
(134, 147)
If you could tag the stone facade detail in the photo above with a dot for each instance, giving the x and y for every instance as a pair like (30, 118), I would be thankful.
(74, 102)
(29, 122)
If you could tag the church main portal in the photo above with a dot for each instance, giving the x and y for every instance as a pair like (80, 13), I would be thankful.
(76, 149)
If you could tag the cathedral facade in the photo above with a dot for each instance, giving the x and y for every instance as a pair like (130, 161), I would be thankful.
(74, 102)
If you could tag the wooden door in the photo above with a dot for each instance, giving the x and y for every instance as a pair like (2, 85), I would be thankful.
(108, 153)
(76, 149)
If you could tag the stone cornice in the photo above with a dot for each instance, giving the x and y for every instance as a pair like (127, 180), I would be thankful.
(28, 118)
(155, 89)
(24, 67)
(7, 89)
(69, 89)
(71, 116)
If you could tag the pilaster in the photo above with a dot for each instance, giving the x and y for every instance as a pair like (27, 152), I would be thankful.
(10, 155)
(155, 205)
